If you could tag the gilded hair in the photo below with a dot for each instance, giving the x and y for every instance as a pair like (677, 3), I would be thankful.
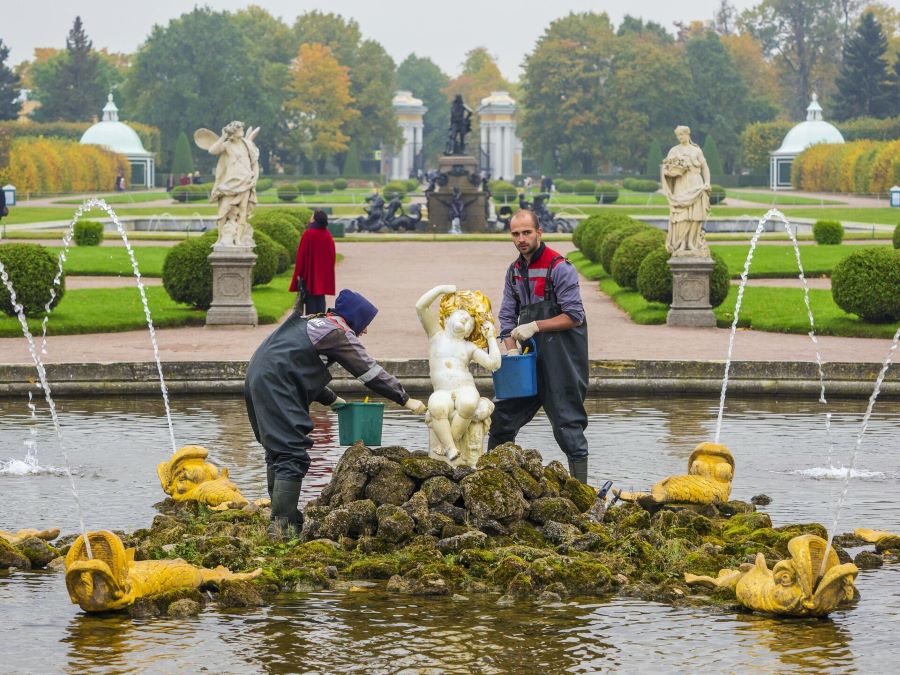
(476, 304)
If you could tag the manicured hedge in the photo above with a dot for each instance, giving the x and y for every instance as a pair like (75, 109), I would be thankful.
(627, 259)
(306, 187)
(584, 187)
(611, 241)
(503, 191)
(865, 283)
(31, 269)
(288, 192)
(607, 193)
(654, 278)
(88, 233)
(395, 187)
(264, 184)
(565, 187)
(828, 232)
(282, 230)
(54, 165)
(897, 236)
(190, 193)
(325, 187)
(861, 166)
(412, 185)
(716, 194)
(339, 184)
(267, 252)
(640, 185)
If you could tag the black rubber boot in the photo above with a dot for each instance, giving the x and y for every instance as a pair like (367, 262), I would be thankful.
(578, 469)
(287, 520)
(270, 480)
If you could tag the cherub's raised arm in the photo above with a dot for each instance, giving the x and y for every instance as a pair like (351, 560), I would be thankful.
(423, 307)
(489, 359)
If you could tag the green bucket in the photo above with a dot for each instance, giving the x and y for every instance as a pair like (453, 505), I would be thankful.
(360, 421)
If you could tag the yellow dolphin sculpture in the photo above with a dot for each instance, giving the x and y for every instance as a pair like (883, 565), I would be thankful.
(882, 539)
(112, 579)
(22, 535)
(793, 587)
(710, 471)
(187, 476)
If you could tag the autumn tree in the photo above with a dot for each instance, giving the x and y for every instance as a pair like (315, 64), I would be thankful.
(426, 80)
(479, 77)
(9, 87)
(318, 104)
(757, 72)
(864, 81)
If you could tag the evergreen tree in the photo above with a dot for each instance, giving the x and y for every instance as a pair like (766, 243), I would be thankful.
(548, 164)
(864, 82)
(182, 160)
(654, 159)
(75, 89)
(9, 87)
(352, 166)
(425, 80)
(711, 152)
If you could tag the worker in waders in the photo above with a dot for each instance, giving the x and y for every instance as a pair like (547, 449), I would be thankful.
(289, 371)
(541, 300)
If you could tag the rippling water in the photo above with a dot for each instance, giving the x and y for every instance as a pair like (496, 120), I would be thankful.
(779, 446)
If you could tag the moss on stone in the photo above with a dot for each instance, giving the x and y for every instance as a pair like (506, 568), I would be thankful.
(373, 567)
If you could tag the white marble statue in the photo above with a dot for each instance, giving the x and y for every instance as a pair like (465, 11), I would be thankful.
(458, 416)
(235, 184)
(685, 181)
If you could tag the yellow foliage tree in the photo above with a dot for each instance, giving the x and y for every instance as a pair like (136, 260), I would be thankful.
(319, 104)
(480, 76)
(759, 74)
(861, 167)
(53, 165)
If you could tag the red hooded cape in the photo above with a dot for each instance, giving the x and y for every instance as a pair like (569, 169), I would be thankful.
(315, 262)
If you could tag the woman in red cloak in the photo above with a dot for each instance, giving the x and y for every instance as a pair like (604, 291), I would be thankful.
(314, 269)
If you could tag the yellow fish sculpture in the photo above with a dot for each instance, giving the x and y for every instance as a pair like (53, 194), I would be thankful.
(22, 535)
(188, 477)
(884, 541)
(710, 471)
(112, 579)
(794, 587)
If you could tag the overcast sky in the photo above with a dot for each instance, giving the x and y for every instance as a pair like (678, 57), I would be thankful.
(443, 31)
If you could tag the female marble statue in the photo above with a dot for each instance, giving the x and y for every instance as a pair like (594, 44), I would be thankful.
(457, 415)
(685, 181)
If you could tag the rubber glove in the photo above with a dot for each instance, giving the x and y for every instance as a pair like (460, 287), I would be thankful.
(416, 406)
(524, 332)
(338, 401)
(515, 351)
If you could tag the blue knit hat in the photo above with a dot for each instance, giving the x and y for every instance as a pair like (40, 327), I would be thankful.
(355, 310)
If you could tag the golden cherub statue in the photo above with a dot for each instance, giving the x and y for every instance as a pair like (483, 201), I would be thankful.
(458, 416)
(710, 471)
(112, 579)
(187, 477)
(22, 535)
(795, 587)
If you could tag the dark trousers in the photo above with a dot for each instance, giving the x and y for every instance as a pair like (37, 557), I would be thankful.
(282, 425)
(314, 304)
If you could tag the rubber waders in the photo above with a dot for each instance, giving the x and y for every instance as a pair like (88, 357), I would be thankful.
(578, 469)
(286, 517)
(270, 480)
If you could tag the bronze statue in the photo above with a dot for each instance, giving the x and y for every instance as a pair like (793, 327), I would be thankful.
(460, 125)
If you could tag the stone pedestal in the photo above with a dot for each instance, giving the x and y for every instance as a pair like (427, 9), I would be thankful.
(232, 279)
(462, 172)
(690, 292)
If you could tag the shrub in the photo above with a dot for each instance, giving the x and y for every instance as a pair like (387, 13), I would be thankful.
(54, 165)
(394, 187)
(339, 184)
(897, 236)
(607, 193)
(264, 184)
(282, 230)
(187, 272)
(865, 283)
(611, 241)
(31, 269)
(639, 185)
(716, 194)
(631, 253)
(88, 233)
(828, 232)
(306, 187)
(412, 184)
(654, 278)
(299, 217)
(584, 187)
(287, 193)
(565, 187)
(503, 191)
(267, 254)
(325, 187)
(604, 223)
(190, 193)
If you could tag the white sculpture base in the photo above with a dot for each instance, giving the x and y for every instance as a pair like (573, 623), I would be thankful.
(232, 280)
(690, 292)
(471, 444)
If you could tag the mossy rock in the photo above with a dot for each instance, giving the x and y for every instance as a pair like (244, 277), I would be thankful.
(10, 556)
(390, 485)
(545, 509)
(491, 494)
(423, 468)
(583, 496)
(507, 568)
(374, 567)
(395, 453)
(531, 488)
(38, 552)
(560, 533)
(394, 524)
(505, 457)
(336, 524)
(158, 605)
(240, 594)
(527, 533)
(577, 575)
(460, 542)
(441, 489)
(519, 587)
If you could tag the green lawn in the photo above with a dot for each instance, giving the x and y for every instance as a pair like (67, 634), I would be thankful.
(777, 198)
(112, 261)
(111, 310)
(882, 216)
(781, 261)
(127, 198)
(777, 310)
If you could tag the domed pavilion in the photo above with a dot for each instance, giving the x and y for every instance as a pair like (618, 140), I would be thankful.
(811, 132)
(122, 139)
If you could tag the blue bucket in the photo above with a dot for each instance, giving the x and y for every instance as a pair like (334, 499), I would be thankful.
(517, 375)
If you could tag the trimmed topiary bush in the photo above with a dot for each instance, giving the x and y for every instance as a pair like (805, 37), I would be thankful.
(640, 185)
(631, 253)
(394, 187)
(565, 187)
(654, 278)
(865, 283)
(503, 191)
(190, 193)
(339, 184)
(412, 184)
(298, 216)
(897, 236)
(607, 193)
(584, 187)
(306, 187)
(281, 229)
(287, 193)
(828, 232)
(325, 187)
(264, 184)
(267, 253)
(605, 223)
(31, 269)
(187, 273)
(88, 233)
(611, 241)
(716, 194)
